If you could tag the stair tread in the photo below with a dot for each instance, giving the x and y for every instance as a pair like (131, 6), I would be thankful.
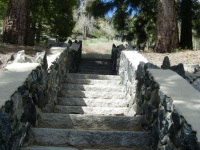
(78, 148)
(65, 137)
(96, 87)
(97, 73)
(91, 94)
(90, 110)
(91, 102)
(90, 114)
(77, 121)
(91, 81)
(92, 76)
(47, 148)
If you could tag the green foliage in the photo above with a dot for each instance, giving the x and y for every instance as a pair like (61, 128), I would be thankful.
(142, 24)
(98, 8)
(54, 16)
(195, 18)
(3, 9)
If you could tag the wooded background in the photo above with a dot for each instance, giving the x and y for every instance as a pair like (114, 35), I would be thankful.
(163, 25)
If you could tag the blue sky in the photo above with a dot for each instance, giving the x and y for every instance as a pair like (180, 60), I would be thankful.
(110, 13)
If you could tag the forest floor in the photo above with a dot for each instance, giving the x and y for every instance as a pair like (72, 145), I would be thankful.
(183, 56)
(102, 49)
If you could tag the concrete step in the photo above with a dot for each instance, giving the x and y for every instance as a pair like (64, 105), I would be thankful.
(92, 76)
(117, 111)
(76, 121)
(95, 71)
(96, 59)
(92, 102)
(92, 82)
(79, 148)
(95, 62)
(94, 138)
(100, 87)
(95, 65)
(48, 148)
(107, 67)
(92, 94)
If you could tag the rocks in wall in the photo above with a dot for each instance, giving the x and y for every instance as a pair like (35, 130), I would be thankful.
(75, 55)
(168, 128)
(115, 57)
(166, 63)
(5, 130)
(177, 68)
(188, 72)
(129, 61)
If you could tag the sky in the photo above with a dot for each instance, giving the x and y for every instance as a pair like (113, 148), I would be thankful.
(110, 13)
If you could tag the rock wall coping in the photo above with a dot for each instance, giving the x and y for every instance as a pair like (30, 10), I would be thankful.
(186, 99)
(54, 53)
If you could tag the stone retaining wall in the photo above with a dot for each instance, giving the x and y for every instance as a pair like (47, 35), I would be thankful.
(169, 130)
(37, 94)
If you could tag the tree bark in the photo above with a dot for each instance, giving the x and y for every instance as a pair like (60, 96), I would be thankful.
(38, 33)
(186, 25)
(166, 27)
(16, 23)
(85, 32)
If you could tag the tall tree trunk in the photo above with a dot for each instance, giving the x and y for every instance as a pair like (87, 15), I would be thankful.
(186, 24)
(16, 22)
(85, 32)
(166, 26)
(38, 33)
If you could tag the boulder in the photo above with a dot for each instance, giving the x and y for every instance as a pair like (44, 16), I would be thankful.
(20, 58)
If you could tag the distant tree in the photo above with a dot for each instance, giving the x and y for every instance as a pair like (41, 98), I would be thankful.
(3, 8)
(84, 22)
(99, 8)
(16, 23)
(195, 18)
(27, 18)
(186, 24)
(166, 27)
(143, 24)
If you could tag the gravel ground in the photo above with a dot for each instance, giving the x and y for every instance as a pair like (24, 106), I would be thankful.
(184, 57)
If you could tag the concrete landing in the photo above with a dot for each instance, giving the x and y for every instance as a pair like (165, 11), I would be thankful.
(185, 97)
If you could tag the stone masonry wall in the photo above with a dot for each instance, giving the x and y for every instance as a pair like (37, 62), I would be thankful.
(37, 94)
(127, 72)
(169, 130)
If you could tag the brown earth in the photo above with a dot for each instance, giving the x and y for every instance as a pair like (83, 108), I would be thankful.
(103, 50)
(184, 57)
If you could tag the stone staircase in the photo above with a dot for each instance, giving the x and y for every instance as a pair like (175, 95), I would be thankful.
(90, 115)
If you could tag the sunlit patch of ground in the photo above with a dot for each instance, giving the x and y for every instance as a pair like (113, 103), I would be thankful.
(184, 56)
(98, 48)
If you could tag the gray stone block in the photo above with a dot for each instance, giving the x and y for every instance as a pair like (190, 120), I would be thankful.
(63, 137)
